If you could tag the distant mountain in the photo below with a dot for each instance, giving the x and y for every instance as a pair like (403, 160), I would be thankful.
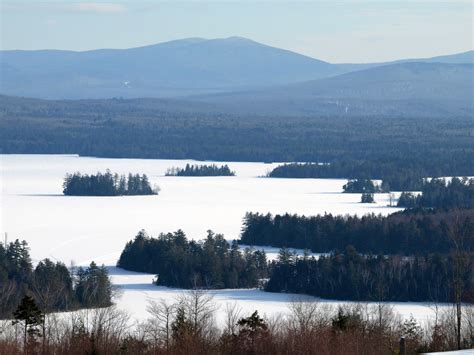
(459, 58)
(176, 68)
(396, 90)
(405, 89)
(173, 69)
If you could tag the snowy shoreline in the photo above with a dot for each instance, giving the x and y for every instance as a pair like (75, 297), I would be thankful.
(78, 230)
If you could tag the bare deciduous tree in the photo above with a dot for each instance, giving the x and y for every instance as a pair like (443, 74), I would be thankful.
(158, 325)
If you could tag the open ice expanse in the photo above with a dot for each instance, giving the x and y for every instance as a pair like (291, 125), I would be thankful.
(81, 229)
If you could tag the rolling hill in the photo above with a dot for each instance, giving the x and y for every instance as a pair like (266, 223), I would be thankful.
(405, 89)
(176, 68)
(192, 66)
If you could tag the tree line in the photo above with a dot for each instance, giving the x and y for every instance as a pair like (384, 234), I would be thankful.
(439, 193)
(213, 263)
(107, 184)
(349, 275)
(407, 232)
(400, 149)
(177, 262)
(50, 284)
(395, 175)
(201, 170)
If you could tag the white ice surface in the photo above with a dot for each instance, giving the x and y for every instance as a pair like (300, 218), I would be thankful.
(457, 352)
(81, 229)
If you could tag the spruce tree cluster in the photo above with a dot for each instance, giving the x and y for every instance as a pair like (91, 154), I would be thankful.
(406, 232)
(395, 175)
(361, 186)
(52, 286)
(439, 193)
(107, 184)
(353, 276)
(201, 170)
(211, 263)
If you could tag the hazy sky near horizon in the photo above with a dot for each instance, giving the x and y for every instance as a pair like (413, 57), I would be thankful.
(336, 31)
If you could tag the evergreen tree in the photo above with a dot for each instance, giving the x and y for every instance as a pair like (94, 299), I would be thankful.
(178, 262)
(93, 288)
(251, 330)
(31, 317)
(107, 184)
(201, 170)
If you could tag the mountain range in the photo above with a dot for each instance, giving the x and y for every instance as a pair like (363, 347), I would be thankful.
(240, 75)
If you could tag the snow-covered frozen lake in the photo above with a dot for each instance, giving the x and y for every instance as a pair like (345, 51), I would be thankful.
(81, 229)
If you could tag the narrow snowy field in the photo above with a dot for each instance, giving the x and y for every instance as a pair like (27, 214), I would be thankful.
(81, 229)
(138, 290)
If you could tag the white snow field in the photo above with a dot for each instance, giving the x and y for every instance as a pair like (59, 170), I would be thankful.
(81, 229)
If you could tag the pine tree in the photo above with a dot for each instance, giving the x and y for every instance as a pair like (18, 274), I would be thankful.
(252, 328)
(31, 316)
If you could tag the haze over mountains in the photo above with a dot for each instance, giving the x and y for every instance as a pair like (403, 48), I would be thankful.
(405, 89)
(176, 68)
(239, 75)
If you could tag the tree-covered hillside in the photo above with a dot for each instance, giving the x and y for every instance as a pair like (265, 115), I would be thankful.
(147, 128)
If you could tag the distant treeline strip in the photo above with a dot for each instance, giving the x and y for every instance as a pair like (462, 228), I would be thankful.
(201, 170)
(107, 184)
(398, 147)
(409, 232)
(395, 176)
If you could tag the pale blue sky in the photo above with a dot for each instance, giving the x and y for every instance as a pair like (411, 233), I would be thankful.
(336, 31)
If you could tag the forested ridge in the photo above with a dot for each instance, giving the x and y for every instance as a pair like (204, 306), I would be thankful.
(51, 284)
(400, 148)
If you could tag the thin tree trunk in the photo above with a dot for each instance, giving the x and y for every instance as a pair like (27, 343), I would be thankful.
(25, 341)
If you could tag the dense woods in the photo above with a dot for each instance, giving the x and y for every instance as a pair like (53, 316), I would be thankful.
(400, 150)
(107, 184)
(396, 175)
(439, 193)
(409, 232)
(51, 285)
(352, 276)
(212, 263)
(201, 170)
